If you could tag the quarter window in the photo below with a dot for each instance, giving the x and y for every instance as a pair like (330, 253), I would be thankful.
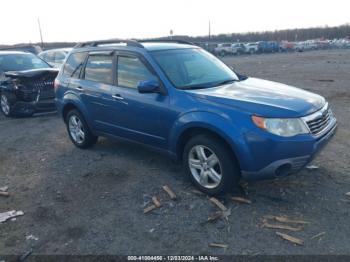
(74, 64)
(99, 69)
(131, 71)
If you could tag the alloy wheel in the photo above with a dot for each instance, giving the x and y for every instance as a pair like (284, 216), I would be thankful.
(76, 129)
(205, 166)
(5, 106)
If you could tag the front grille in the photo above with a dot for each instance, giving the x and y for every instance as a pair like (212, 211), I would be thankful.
(320, 122)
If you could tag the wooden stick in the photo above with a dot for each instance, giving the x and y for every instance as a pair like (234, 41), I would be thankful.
(149, 209)
(170, 192)
(218, 245)
(5, 194)
(318, 235)
(241, 200)
(156, 201)
(285, 219)
(276, 226)
(290, 238)
(218, 203)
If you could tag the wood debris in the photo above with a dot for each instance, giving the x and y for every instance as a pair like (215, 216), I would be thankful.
(156, 202)
(170, 192)
(312, 167)
(285, 219)
(318, 235)
(10, 214)
(218, 245)
(278, 226)
(219, 214)
(149, 209)
(241, 200)
(218, 203)
(5, 194)
(290, 238)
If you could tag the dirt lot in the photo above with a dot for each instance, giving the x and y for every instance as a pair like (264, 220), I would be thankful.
(91, 202)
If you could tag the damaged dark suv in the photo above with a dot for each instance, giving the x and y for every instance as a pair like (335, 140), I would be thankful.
(26, 84)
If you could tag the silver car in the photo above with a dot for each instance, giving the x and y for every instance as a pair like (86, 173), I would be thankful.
(55, 57)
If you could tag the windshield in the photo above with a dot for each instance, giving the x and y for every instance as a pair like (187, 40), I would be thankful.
(193, 68)
(20, 62)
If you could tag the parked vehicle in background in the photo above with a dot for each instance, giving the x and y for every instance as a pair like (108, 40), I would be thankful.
(34, 49)
(238, 49)
(182, 100)
(305, 46)
(268, 47)
(223, 49)
(286, 46)
(55, 57)
(251, 48)
(26, 84)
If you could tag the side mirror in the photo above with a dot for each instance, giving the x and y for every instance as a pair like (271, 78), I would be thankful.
(148, 86)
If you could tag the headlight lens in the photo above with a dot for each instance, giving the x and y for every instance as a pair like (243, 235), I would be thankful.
(286, 127)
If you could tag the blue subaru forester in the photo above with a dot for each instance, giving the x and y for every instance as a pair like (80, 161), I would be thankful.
(179, 99)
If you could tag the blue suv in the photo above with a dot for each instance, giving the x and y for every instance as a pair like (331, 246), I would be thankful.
(180, 99)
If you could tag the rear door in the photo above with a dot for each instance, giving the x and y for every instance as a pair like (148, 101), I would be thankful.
(95, 88)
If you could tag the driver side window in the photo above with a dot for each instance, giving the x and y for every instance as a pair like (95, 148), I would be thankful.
(131, 71)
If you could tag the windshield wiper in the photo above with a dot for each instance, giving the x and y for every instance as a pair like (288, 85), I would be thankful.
(228, 81)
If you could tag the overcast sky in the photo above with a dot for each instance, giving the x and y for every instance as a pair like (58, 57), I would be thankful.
(78, 20)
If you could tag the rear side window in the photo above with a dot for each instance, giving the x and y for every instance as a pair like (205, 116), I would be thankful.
(74, 64)
(59, 57)
(99, 69)
(131, 71)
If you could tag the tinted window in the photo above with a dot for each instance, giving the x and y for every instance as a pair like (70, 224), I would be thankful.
(131, 71)
(74, 64)
(99, 69)
(18, 62)
(50, 57)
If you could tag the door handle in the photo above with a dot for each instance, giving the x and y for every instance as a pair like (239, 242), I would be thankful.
(79, 88)
(118, 97)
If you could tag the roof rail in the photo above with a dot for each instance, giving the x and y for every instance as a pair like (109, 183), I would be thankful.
(105, 42)
(167, 41)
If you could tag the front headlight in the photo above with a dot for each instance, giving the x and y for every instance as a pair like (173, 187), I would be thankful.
(281, 126)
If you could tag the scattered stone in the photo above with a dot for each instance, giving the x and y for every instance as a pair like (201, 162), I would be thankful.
(32, 237)
(312, 167)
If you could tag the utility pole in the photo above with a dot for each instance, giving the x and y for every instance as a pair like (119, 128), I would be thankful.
(41, 35)
(209, 31)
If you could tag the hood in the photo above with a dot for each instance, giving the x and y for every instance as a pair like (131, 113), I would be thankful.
(265, 98)
(33, 73)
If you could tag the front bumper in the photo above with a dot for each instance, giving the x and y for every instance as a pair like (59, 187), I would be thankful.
(293, 164)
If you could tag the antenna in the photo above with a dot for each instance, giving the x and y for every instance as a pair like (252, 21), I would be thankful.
(41, 35)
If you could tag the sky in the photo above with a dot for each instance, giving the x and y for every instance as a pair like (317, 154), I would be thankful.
(79, 20)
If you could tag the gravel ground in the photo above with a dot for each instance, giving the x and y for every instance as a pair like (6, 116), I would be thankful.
(91, 201)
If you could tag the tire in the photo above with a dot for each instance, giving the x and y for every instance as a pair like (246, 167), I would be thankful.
(227, 172)
(78, 130)
(5, 105)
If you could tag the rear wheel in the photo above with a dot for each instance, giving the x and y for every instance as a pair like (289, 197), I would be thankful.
(210, 165)
(79, 131)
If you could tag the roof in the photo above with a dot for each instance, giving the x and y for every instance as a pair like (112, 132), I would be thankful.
(157, 46)
(147, 45)
(13, 52)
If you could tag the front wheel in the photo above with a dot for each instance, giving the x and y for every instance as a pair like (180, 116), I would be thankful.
(210, 165)
(79, 131)
(5, 105)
